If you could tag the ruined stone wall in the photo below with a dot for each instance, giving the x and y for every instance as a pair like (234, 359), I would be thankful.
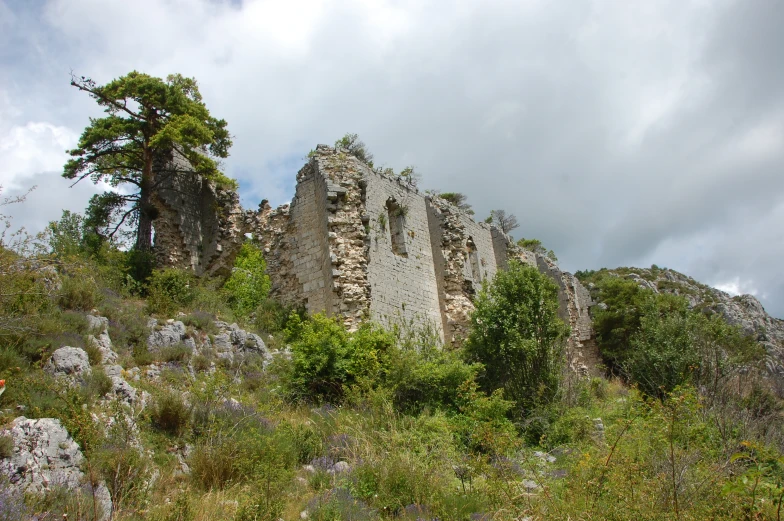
(465, 256)
(401, 269)
(199, 224)
(355, 243)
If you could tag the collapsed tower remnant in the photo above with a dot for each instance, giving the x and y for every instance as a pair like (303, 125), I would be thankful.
(200, 225)
(358, 244)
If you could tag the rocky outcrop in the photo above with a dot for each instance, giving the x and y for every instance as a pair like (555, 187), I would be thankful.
(169, 334)
(103, 342)
(44, 457)
(69, 362)
(744, 311)
(233, 340)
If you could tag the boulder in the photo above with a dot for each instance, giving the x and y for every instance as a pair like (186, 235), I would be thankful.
(233, 340)
(69, 362)
(170, 334)
(46, 456)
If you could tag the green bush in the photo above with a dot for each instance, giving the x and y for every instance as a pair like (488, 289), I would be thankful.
(169, 290)
(79, 291)
(176, 353)
(169, 413)
(517, 335)
(428, 379)
(655, 341)
(272, 316)
(326, 359)
(96, 385)
(248, 285)
(202, 321)
(124, 468)
(94, 354)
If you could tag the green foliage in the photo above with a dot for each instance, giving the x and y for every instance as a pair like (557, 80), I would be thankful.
(170, 289)
(326, 359)
(458, 199)
(175, 353)
(65, 236)
(655, 341)
(517, 335)
(428, 379)
(96, 385)
(482, 425)
(248, 285)
(124, 468)
(147, 120)
(79, 291)
(535, 245)
(620, 319)
(272, 316)
(355, 147)
(169, 413)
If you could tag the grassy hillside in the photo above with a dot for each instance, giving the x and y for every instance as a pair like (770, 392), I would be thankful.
(325, 424)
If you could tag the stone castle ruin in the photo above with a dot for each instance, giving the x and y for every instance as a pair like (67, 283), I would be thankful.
(356, 244)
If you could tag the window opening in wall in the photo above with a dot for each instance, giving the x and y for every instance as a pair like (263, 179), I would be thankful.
(397, 223)
(473, 259)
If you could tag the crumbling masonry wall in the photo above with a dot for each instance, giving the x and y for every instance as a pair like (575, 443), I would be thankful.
(199, 225)
(355, 244)
(358, 244)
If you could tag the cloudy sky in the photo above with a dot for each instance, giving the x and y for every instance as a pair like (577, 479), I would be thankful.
(619, 132)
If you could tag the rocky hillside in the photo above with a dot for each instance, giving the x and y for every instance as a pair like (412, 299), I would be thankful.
(744, 311)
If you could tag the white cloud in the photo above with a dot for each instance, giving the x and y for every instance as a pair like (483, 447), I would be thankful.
(32, 148)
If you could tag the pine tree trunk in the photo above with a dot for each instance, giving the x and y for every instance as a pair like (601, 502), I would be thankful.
(146, 208)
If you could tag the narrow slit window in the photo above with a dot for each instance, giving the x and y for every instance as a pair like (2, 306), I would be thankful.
(397, 223)
(473, 259)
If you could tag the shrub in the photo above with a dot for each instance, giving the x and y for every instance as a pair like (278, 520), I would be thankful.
(168, 290)
(10, 359)
(79, 292)
(176, 353)
(248, 285)
(339, 505)
(96, 385)
(202, 321)
(428, 379)
(326, 359)
(123, 466)
(355, 147)
(170, 413)
(201, 363)
(94, 354)
(272, 316)
(142, 355)
(517, 335)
